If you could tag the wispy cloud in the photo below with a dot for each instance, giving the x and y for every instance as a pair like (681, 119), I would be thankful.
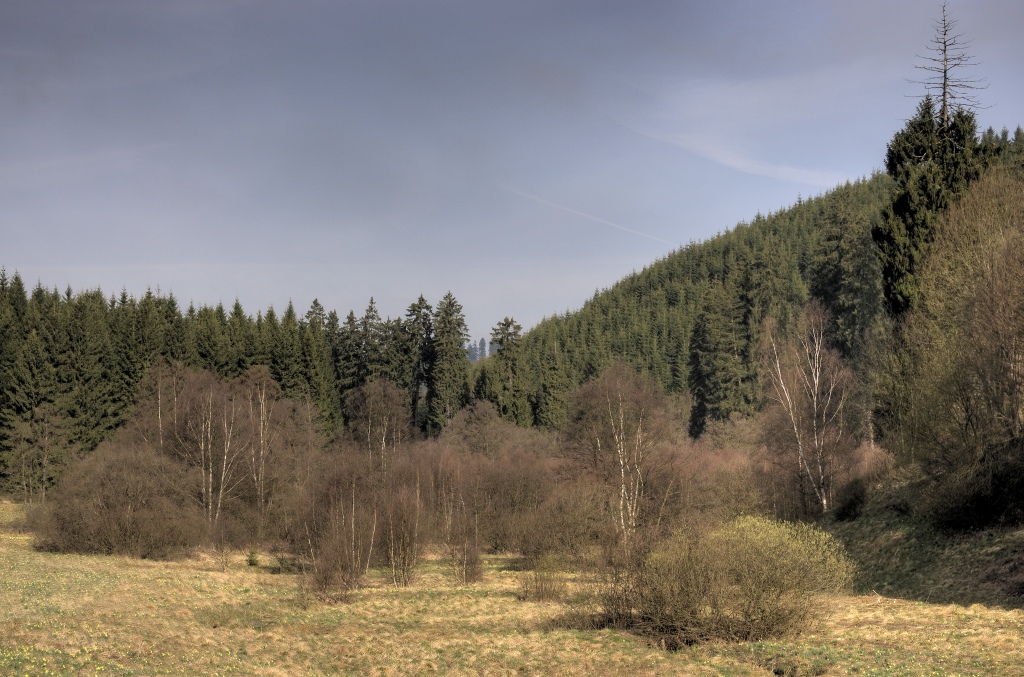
(709, 147)
(737, 122)
(554, 205)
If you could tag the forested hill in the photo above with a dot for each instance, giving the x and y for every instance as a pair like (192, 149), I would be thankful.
(718, 293)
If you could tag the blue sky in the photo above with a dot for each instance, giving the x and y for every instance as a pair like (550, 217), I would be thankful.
(519, 154)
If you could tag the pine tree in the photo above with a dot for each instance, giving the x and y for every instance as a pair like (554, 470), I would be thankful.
(318, 367)
(720, 378)
(419, 330)
(933, 159)
(502, 378)
(448, 389)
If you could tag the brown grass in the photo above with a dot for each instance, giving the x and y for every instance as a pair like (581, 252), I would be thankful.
(75, 614)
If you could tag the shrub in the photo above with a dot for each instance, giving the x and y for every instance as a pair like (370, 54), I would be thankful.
(122, 500)
(335, 527)
(850, 500)
(543, 582)
(752, 579)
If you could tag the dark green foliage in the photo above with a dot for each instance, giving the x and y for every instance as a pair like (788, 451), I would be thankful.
(318, 367)
(501, 379)
(932, 163)
(448, 387)
(286, 363)
(721, 380)
(845, 275)
(649, 318)
(419, 331)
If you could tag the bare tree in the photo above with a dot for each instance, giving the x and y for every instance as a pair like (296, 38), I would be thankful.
(210, 439)
(947, 56)
(263, 395)
(379, 419)
(617, 422)
(812, 389)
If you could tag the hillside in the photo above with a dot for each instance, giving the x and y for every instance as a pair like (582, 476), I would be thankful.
(768, 267)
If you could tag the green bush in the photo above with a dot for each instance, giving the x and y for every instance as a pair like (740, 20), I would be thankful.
(751, 579)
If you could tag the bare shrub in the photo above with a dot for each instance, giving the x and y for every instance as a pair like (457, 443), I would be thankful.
(568, 524)
(122, 499)
(459, 522)
(512, 488)
(378, 415)
(812, 427)
(336, 526)
(544, 582)
(404, 509)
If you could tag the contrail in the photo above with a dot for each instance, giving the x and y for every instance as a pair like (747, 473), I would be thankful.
(536, 198)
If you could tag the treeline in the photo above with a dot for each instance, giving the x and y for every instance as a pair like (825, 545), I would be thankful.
(71, 365)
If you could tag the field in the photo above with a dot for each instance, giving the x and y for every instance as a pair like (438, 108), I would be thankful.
(213, 614)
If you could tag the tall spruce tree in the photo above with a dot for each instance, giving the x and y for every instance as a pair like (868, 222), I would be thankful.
(286, 357)
(419, 330)
(318, 367)
(933, 159)
(720, 378)
(502, 379)
(549, 399)
(845, 274)
(448, 387)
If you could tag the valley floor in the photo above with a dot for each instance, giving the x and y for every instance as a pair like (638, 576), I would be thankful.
(74, 614)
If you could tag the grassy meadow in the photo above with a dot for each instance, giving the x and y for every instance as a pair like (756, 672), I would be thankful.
(216, 614)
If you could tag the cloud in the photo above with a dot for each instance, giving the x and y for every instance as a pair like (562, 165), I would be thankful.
(737, 122)
(547, 203)
(711, 149)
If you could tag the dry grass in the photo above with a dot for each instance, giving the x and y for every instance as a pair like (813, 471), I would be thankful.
(71, 614)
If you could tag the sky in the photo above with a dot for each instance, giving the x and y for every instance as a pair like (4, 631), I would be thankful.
(521, 155)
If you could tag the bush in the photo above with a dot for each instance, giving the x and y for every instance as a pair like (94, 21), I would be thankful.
(753, 579)
(335, 528)
(544, 582)
(121, 500)
(850, 500)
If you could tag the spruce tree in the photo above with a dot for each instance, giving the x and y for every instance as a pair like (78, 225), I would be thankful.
(845, 274)
(502, 377)
(241, 341)
(549, 400)
(932, 159)
(348, 356)
(448, 389)
(720, 377)
(419, 332)
(286, 357)
(318, 367)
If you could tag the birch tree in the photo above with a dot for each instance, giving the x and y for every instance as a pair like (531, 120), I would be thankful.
(812, 390)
